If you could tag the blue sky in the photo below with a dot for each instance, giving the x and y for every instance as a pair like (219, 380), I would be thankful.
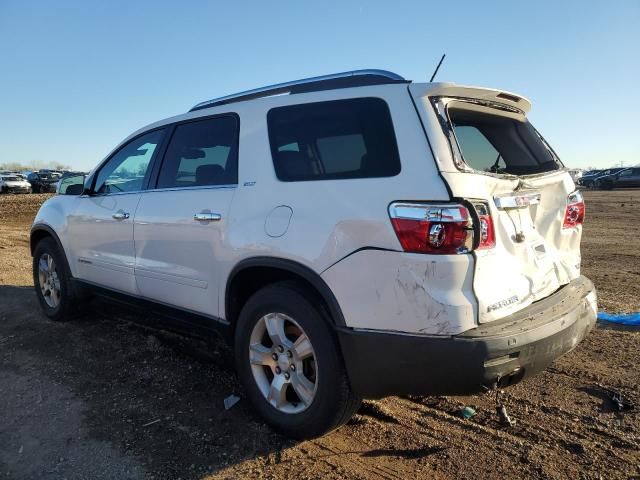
(76, 77)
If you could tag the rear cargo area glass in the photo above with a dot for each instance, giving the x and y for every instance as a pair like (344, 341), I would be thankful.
(500, 144)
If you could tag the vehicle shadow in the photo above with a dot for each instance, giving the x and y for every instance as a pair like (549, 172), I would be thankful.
(155, 396)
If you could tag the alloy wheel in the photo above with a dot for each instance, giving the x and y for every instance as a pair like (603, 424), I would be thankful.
(49, 280)
(283, 363)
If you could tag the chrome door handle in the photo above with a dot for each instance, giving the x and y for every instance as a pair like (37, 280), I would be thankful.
(207, 217)
(120, 215)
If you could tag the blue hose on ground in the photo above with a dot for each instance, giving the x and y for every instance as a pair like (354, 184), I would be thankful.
(622, 318)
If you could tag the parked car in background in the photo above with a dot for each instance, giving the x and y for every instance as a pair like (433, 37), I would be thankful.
(353, 236)
(589, 181)
(14, 183)
(605, 178)
(588, 176)
(44, 181)
(627, 178)
(576, 174)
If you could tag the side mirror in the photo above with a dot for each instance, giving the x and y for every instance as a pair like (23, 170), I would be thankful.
(75, 189)
(73, 185)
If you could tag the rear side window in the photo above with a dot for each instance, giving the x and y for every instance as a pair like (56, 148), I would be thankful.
(500, 144)
(202, 153)
(333, 140)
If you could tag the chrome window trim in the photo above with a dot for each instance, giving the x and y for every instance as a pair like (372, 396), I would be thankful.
(196, 187)
(111, 194)
(169, 189)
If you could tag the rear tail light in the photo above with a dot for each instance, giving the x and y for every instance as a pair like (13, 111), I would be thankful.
(574, 213)
(432, 228)
(487, 232)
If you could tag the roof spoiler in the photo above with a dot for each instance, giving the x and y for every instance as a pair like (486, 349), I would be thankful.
(479, 93)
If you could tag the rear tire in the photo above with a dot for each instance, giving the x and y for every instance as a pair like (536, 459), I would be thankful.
(52, 281)
(301, 389)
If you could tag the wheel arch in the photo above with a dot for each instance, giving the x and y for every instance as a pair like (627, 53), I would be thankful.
(251, 274)
(38, 233)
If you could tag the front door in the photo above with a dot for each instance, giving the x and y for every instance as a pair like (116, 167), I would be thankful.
(101, 228)
(179, 225)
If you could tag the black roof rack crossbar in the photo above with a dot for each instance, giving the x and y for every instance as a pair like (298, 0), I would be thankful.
(356, 78)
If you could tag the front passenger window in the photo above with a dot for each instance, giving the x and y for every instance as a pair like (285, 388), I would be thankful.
(127, 169)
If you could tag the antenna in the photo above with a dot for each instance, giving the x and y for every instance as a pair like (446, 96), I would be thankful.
(437, 68)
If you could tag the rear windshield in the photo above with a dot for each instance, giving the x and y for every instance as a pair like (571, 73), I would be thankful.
(501, 144)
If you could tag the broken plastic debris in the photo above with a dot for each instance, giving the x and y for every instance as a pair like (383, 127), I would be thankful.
(501, 410)
(621, 318)
(504, 416)
(616, 397)
(230, 401)
(467, 412)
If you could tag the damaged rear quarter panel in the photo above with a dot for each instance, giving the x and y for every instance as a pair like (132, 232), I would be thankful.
(405, 292)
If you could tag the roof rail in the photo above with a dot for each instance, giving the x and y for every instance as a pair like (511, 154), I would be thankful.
(355, 78)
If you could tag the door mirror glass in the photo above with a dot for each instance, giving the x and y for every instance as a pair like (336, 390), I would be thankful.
(72, 185)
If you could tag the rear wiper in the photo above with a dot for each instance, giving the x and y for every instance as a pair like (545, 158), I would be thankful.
(495, 168)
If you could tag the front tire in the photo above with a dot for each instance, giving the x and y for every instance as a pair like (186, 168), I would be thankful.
(52, 281)
(289, 363)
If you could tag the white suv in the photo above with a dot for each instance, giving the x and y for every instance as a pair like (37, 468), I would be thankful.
(354, 235)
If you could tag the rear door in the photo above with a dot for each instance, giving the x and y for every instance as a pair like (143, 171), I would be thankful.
(504, 165)
(179, 225)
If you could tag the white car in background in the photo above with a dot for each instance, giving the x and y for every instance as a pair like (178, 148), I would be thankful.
(14, 183)
(354, 236)
(576, 174)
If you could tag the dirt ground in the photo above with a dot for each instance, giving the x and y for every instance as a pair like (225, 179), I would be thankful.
(102, 397)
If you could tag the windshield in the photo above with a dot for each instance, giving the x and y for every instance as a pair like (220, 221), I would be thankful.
(10, 179)
(498, 143)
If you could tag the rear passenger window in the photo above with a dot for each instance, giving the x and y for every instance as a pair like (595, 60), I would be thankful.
(202, 153)
(332, 140)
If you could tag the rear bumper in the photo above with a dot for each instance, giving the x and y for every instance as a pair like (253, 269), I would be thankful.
(498, 353)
